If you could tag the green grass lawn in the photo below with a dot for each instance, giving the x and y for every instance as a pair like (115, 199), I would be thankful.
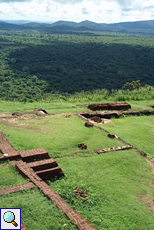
(37, 212)
(35, 208)
(9, 176)
(51, 107)
(136, 130)
(58, 135)
(113, 181)
(140, 105)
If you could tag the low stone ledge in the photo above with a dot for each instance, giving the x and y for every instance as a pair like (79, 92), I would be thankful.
(109, 106)
(30, 155)
(16, 188)
(114, 149)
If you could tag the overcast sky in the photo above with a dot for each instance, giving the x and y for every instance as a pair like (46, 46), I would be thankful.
(101, 11)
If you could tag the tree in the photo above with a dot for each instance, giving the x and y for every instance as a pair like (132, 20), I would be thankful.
(132, 85)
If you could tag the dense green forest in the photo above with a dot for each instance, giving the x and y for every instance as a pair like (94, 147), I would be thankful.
(36, 64)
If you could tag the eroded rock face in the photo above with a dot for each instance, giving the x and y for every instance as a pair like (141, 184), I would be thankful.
(109, 106)
(88, 124)
(82, 145)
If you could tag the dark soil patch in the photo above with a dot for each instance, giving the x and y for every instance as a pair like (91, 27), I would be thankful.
(139, 112)
(96, 119)
(108, 115)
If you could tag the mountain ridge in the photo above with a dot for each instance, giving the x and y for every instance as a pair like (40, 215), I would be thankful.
(128, 27)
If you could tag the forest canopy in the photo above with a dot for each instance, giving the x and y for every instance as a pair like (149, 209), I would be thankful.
(34, 63)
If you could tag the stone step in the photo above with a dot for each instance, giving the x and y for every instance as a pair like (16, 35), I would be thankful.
(31, 155)
(48, 173)
(10, 156)
(43, 164)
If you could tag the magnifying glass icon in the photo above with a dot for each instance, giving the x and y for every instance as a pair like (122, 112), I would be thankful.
(9, 217)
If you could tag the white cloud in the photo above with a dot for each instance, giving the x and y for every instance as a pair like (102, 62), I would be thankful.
(68, 1)
(108, 11)
(8, 1)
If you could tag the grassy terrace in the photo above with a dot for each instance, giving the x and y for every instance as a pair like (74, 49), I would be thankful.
(138, 131)
(64, 106)
(58, 135)
(115, 181)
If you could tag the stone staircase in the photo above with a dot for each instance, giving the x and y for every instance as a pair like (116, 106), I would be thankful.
(36, 159)
(46, 168)
(34, 154)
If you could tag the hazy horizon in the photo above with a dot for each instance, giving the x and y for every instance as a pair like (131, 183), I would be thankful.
(99, 11)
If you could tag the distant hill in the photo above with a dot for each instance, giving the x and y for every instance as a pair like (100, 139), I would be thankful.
(8, 26)
(145, 27)
(18, 22)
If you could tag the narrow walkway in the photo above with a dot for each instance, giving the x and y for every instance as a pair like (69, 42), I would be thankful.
(16, 188)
